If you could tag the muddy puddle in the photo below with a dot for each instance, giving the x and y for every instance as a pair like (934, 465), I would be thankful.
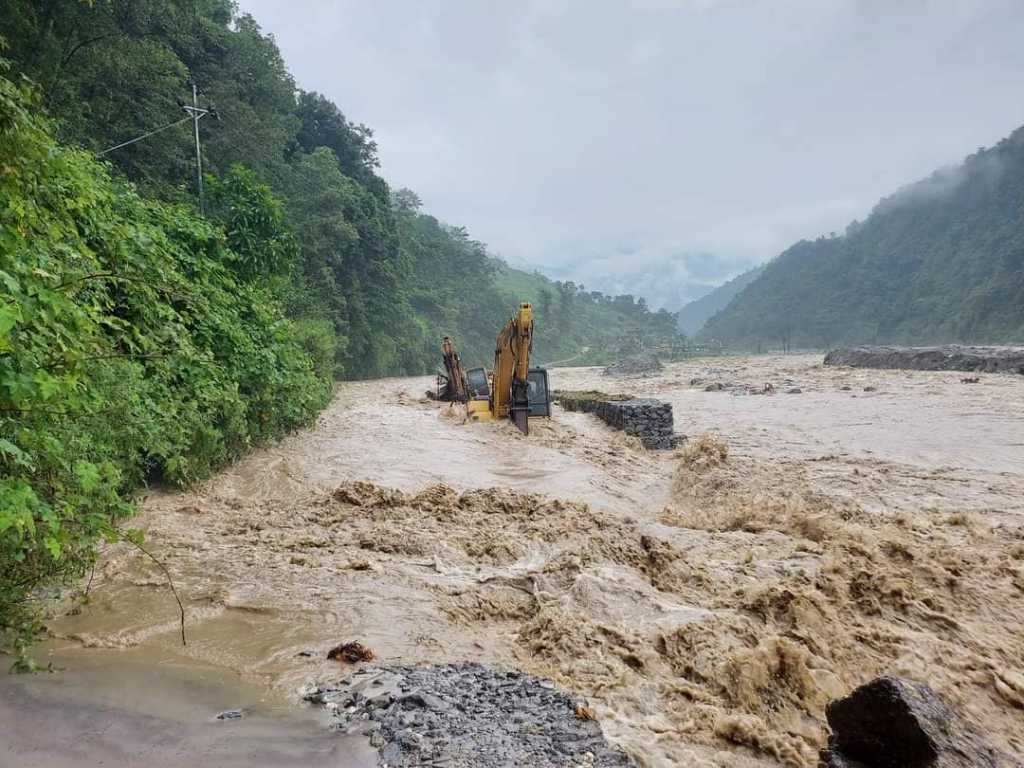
(141, 707)
(708, 601)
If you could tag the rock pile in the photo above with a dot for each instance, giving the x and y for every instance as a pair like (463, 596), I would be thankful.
(892, 722)
(463, 715)
(948, 358)
(649, 419)
(634, 366)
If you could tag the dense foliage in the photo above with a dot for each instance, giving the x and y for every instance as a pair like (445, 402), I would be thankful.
(939, 261)
(582, 327)
(137, 342)
(458, 289)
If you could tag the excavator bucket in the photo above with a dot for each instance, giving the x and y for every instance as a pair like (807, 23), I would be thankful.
(519, 418)
(520, 407)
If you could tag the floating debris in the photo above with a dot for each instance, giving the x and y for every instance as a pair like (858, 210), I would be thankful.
(353, 653)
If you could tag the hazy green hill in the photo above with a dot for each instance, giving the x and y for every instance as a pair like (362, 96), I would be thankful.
(577, 327)
(694, 314)
(941, 260)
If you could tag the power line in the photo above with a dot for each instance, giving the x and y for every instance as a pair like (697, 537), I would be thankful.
(145, 135)
(193, 112)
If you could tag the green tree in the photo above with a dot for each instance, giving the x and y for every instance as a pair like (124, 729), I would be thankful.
(261, 244)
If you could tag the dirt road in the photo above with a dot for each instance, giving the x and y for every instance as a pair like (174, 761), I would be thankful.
(708, 601)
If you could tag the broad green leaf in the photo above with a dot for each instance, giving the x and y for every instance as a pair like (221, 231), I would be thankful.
(52, 546)
(10, 315)
(12, 452)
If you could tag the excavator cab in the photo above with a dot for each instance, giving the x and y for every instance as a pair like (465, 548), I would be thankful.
(538, 392)
(477, 385)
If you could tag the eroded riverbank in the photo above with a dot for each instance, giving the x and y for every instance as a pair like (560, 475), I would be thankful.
(707, 601)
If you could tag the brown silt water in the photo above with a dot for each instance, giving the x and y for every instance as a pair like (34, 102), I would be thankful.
(707, 601)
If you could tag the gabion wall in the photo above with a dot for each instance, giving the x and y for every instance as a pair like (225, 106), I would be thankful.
(649, 419)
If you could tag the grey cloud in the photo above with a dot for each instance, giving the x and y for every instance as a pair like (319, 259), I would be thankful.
(616, 143)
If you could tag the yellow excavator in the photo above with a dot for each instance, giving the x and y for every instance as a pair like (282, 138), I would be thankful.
(514, 389)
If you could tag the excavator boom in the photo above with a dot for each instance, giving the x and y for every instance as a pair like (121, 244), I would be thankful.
(511, 364)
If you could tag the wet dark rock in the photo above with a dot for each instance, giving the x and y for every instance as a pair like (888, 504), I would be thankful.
(230, 714)
(463, 715)
(948, 358)
(896, 723)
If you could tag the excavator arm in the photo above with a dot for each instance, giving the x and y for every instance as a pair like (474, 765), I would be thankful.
(511, 367)
(454, 389)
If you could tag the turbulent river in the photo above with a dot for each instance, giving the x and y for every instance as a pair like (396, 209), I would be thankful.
(820, 526)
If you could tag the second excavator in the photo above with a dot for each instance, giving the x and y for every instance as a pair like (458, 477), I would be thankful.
(451, 385)
(514, 389)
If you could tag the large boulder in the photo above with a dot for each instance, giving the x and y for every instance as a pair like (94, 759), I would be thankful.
(896, 723)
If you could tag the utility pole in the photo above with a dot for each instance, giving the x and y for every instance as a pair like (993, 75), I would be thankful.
(197, 113)
(193, 112)
(199, 156)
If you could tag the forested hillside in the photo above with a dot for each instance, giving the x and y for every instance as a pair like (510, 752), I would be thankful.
(939, 261)
(138, 342)
(693, 315)
(588, 327)
(457, 288)
(142, 339)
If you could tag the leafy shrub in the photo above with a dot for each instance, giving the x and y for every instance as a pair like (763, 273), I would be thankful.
(132, 349)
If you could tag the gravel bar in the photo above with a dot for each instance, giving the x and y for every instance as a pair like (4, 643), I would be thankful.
(463, 715)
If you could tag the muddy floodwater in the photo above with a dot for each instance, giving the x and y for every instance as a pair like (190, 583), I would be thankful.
(819, 527)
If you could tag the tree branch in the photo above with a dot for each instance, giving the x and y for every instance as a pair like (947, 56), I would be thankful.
(170, 582)
(82, 44)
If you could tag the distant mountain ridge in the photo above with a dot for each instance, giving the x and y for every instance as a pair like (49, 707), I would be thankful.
(941, 260)
(694, 314)
(574, 325)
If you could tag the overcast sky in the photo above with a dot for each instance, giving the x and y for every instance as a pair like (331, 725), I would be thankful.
(658, 147)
